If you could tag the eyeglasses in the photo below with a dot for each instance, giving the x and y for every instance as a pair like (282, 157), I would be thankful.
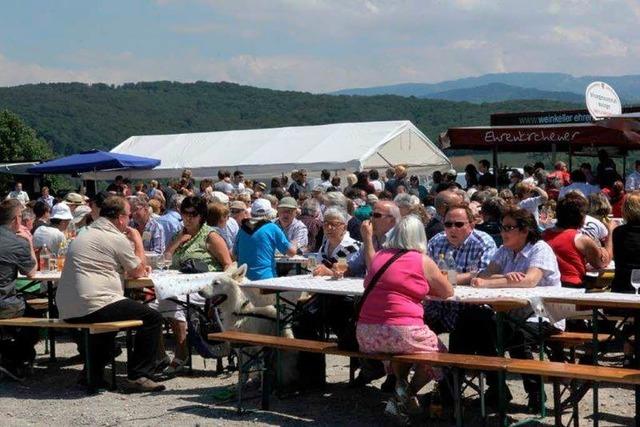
(191, 214)
(507, 228)
(457, 224)
(333, 224)
(379, 215)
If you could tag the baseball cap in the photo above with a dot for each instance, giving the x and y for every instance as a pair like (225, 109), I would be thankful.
(260, 208)
(61, 211)
(74, 199)
(288, 203)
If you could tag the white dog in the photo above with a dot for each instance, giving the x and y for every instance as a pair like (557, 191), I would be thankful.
(238, 313)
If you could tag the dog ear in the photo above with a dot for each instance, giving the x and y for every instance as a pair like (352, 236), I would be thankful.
(239, 273)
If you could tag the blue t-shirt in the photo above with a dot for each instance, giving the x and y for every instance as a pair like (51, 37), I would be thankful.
(257, 250)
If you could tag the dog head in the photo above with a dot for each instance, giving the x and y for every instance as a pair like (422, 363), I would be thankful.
(226, 288)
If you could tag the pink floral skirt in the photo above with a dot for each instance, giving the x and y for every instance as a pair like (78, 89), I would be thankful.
(400, 339)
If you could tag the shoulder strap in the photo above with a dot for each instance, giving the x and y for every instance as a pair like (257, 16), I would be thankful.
(375, 280)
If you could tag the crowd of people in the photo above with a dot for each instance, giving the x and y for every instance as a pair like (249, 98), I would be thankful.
(544, 228)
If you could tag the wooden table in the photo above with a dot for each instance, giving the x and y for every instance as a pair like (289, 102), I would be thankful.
(613, 300)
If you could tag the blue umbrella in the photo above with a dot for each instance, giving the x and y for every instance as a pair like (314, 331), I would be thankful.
(93, 160)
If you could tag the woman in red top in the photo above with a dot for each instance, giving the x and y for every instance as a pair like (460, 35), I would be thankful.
(616, 196)
(573, 249)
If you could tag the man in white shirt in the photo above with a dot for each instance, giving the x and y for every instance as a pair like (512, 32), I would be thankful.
(325, 179)
(374, 180)
(579, 183)
(19, 195)
(46, 197)
(238, 181)
(528, 201)
(224, 184)
(633, 180)
(52, 235)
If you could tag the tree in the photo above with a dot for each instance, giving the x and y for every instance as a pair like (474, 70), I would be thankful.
(18, 142)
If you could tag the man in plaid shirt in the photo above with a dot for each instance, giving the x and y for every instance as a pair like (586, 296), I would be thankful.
(472, 251)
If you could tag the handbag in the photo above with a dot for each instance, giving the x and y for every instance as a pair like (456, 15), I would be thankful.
(347, 340)
(193, 266)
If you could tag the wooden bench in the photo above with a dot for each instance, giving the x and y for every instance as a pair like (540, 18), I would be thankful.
(86, 328)
(457, 362)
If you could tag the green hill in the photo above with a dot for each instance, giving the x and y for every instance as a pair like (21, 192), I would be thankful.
(76, 116)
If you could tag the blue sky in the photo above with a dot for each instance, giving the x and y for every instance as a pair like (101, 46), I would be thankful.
(313, 45)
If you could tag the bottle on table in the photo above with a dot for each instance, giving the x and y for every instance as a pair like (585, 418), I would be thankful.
(452, 269)
(62, 255)
(45, 257)
(442, 265)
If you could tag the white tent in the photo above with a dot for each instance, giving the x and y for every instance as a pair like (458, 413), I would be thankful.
(264, 152)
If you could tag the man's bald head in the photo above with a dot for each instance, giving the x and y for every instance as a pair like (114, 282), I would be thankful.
(446, 198)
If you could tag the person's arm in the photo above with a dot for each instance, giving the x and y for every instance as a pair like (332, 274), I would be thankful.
(439, 286)
(593, 253)
(26, 234)
(180, 239)
(366, 230)
(218, 249)
(282, 243)
(138, 249)
(543, 194)
(516, 279)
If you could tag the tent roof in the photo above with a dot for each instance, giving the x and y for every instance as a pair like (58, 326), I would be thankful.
(533, 138)
(93, 160)
(340, 146)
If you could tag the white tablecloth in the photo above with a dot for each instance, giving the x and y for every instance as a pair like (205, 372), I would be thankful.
(308, 283)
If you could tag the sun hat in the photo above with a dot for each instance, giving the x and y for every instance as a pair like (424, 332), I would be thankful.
(372, 198)
(61, 211)
(238, 205)
(220, 197)
(74, 199)
(260, 208)
(261, 185)
(288, 203)
(80, 213)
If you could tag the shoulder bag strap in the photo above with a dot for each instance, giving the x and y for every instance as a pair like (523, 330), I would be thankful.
(374, 281)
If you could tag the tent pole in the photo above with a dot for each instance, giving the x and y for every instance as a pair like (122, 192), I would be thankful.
(388, 162)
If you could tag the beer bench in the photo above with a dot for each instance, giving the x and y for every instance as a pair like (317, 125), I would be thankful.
(458, 363)
(86, 329)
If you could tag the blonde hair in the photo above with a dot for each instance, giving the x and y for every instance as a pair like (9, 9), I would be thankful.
(631, 208)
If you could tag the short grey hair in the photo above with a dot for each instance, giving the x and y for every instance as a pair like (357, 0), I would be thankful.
(408, 234)
(335, 198)
(394, 211)
(310, 207)
(175, 201)
(336, 212)
(406, 200)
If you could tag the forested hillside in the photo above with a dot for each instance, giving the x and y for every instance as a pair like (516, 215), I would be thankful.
(74, 116)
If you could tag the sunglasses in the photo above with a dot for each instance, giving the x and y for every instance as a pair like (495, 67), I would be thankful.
(508, 228)
(379, 215)
(457, 224)
(191, 214)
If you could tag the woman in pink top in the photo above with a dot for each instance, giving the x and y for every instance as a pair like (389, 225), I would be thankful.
(391, 318)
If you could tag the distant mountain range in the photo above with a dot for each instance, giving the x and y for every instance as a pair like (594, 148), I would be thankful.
(508, 86)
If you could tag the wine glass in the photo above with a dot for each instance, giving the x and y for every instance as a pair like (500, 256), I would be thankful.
(164, 262)
(635, 279)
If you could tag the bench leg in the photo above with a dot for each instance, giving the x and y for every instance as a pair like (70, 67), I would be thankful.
(241, 375)
(596, 415)
(457, 398)
(266, 378)
(483, 407)
(114, 386)
(87, 359)
(219, 366)
(51, 332)
(557, 410)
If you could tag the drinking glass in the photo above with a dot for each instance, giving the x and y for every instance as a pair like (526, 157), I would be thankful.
(341, 266)
(635, 279)
(164, 262)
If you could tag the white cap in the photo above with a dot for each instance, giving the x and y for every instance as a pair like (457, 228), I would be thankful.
(260, 208)
(80, 212)
(61, 211)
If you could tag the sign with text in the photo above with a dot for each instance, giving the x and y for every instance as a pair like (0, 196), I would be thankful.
(602, 101)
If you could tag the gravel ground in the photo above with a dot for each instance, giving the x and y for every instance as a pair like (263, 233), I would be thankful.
(51, 397)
